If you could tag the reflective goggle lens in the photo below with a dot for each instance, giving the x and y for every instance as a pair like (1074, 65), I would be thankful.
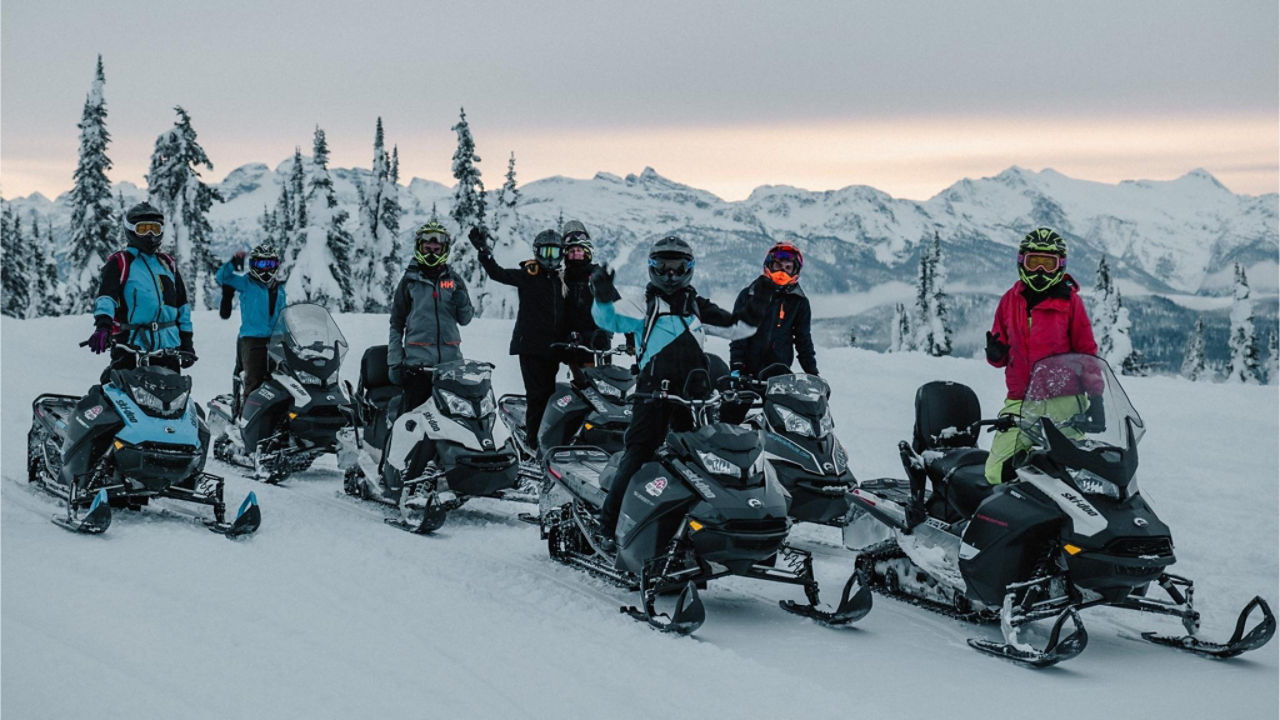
(576, 236)
(147, 227)
(549, 252)
(1041, 262)
(667, 266)
(264, 263)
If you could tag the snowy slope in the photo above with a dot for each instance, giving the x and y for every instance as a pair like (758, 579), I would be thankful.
(328, 613)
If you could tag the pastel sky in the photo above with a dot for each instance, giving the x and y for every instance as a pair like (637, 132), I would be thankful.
(905, 96)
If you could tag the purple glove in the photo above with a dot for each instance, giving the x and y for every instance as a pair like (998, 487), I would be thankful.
(100, 340)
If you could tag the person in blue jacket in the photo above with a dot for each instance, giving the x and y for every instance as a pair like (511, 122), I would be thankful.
(670, 337)
(142, 300)
(262, 299)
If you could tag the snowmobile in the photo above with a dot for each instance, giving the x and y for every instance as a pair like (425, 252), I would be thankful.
(589, 409)
(297, 414)
(138, 437)
(810, 461)
(706, 506)
(429, 460)
(1069, 531)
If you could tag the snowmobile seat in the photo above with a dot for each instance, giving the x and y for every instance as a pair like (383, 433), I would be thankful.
(961, 477)
(945, 414)
(609, 472)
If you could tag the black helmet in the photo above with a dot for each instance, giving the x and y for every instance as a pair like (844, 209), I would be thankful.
(144, 224)
(264, 261)
(670, 264)
(547, 249)
(575, 236)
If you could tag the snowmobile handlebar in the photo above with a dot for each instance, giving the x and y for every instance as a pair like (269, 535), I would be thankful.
(143, 353)
(598, 353)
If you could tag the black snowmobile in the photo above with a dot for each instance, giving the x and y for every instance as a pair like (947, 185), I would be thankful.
(590, 409)
(297, 413)
(428, 460)
(810, 461)
(1070, 531)
(138, 438)
(706, 506)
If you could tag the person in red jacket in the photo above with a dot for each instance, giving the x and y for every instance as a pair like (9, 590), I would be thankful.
(1041, 315)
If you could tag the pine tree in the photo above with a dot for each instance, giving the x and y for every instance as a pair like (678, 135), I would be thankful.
(504, 210)
(940, 332)
(900, 331)
(320, 270)
(176, 188)
(1111, 325)
(392, 212)
(1273, 358)
(50, 295)
(15, 266)
(468, 211)
(1244, 365)
(376, 257)
(93, 221)
(1193, 364)
(38, 286)
(921, 322)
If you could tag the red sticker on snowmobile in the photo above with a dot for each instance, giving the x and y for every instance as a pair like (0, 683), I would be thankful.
(93, 412)
(655, 486)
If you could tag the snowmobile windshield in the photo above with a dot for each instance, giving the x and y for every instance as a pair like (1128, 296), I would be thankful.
(1081, 397)
(307, 341)
(809, 388)
(469, 378)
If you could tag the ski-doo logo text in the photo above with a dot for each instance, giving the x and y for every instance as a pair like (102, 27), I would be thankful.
(655, 486)
(1079, 502)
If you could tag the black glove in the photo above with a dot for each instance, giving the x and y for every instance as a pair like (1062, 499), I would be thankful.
(1095, 418)
(187, 350)
(1005, 422)
(602, 285)
(997, 351)
(395, 375)
(224, 310)
(237, 261)
(479, 240)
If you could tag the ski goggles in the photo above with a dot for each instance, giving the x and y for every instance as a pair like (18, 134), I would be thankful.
(782, 256)
(432, 243)
(548, 252)
(434, 237)
(1042, 262)
(671, 265)
(576, 236)
(145, 227)
(264, 264)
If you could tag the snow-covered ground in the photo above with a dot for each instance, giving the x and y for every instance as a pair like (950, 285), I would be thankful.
(329, 613)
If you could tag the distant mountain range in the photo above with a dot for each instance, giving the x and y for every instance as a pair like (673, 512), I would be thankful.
(1178, 236)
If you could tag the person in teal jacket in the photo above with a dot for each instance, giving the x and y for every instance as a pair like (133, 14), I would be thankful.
(262, 299)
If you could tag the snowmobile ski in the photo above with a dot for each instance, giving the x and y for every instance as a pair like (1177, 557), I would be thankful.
(1054, 652)
(853, 605)
(420, 514)
(1240, 641)
(94, 522)
(688, 617)
(248, 519)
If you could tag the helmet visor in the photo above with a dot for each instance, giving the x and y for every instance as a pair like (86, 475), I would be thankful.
(670, 265)
(548, 252)
(432, 242)
(1042, 262)
(264, 264)
(145, 227)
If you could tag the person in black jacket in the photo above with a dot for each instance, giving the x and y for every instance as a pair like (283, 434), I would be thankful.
(783, 333)
(580, 327)
(539, 320)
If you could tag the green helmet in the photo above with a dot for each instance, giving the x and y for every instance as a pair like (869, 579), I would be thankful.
(423, 236)
(1042, 259)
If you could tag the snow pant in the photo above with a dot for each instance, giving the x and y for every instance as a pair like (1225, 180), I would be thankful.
(539, 374)
(252, 358)
(417, 383)
(1006, 445)
(647, 431)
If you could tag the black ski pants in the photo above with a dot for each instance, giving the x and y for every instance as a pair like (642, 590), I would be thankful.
(645, 434)
(539, 373)
(253, 360)
(417, 383)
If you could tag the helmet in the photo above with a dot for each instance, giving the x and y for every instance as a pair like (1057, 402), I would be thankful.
(264, 261)
(547, 248)
(670, 264)
(1042, 259)
(433, 233)
(575, 236)
(777, 254)
(144, 224)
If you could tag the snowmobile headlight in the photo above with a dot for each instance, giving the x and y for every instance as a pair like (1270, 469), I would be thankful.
(333, 376)
(487, 404)
(840, 456)
(306, 378)
(795, 422)
(717, 465)
(456, 405)
(826, 425)
(608, 390)
(1091, 484)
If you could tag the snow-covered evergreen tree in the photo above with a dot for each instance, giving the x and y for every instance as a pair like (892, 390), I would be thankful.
(320, 265)
(940, 332)
(1244, 366)
(1111, 325)
(468, 210)
(1193, 363)
(15, 265)
(921, 324)
(49, 289)
(175, 187)
(1273, 358)
(376, 243)
(900, 331)
(391, 213)
(94, 226)
(506, 224)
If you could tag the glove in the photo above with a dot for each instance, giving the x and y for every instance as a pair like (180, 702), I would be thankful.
(100, 340)
(187, 350)
(737, 369)
(1095, 418)
(395, 375)
(997, 350)
(479, 240)
(237, 261)
(1005, 422)
(224, 309)
(602, 285)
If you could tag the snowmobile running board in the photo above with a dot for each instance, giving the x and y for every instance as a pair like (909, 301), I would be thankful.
(94, 522)
(248, 519)
(1240, 641)
(689, 613)
(1054, 652)
(852, 607)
